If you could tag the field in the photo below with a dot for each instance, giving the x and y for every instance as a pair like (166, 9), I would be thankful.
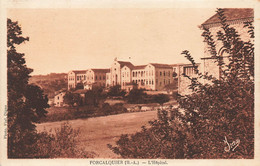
(96, 133)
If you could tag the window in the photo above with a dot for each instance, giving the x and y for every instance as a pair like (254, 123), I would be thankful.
(169, 73)
(156, 81)
(160, 73)
(96, 77)
(163, 73)
(100, 77)
(169, 81)
(152, 82)
(189, 70)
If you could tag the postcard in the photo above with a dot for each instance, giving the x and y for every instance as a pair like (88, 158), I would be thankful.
(129, 83)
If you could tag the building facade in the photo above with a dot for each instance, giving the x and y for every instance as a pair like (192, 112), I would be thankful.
(75, 77)
(95, 77)
(59, 99)
(153, 76)
(236, 19)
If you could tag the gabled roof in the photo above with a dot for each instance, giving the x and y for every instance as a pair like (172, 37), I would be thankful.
(101, 70)
(158, 65)
(79, 71)
(125, 63)
(232, 14)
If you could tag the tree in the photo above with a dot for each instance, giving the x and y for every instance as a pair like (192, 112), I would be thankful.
(161, 98)
(217, 119)
(72, 99)
(136, 96)
(116, 91)
(79, 85)
(26, 103)
(95, 96)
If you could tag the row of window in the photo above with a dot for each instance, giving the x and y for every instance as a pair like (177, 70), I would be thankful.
(151, 82)
(150, 73)
(83, 77)
(189, 70)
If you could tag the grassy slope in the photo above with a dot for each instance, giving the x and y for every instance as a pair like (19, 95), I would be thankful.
(96, 133)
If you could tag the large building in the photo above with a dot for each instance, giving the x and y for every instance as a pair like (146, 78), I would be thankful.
(236, 19)
(75, 77)
(153, 76)
(95, 77)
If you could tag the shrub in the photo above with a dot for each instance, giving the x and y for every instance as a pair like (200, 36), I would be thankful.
(136, 96)
(61, 144)
(116, 91)
(161, 98)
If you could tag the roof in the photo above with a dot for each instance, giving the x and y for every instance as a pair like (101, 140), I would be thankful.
(158, 65)
(101, 70)
(139, 67)
(125, 63)
(80, 91)
(178, 64)
(79, 71)
(232, 14)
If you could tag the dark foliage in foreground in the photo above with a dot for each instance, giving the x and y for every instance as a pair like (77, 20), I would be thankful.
(216, 120)
(26, 103)
(26, 106)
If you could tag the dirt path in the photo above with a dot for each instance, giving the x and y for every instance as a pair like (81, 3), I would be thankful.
(96, 133)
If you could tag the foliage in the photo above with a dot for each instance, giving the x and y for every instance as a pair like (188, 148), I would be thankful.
(163, 139)
(79, 85)
(116, 91)
(136, 96)
(60, 144)
(26, 103)
(161, 98)
(72, 99)
(217, 119)
(95, 96)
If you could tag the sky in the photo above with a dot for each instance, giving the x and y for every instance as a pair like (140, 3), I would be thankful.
(76, 39)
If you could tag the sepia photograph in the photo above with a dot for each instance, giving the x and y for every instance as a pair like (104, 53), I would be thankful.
(117, 84)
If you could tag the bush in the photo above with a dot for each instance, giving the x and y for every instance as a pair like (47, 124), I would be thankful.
(116, 91)
(95, 97)
(161, 98)
(61, 144)
(157, 141)
(136, 96)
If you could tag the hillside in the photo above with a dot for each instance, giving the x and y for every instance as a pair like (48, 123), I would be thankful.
(50, 83)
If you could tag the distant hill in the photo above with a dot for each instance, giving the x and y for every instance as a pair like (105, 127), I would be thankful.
(50, 83)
